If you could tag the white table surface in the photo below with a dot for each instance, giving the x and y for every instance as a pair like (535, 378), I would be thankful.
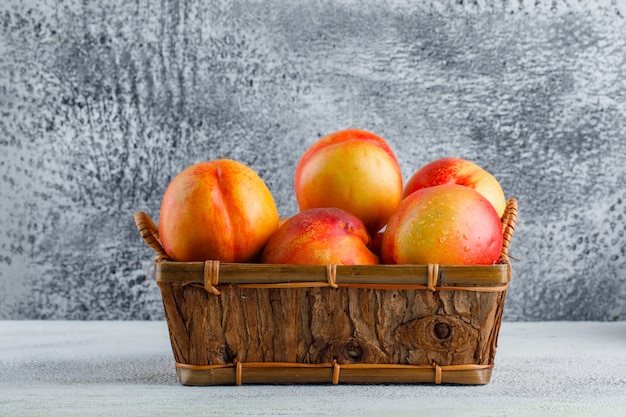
(78, 368)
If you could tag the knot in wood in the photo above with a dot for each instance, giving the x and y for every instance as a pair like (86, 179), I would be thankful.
(442, 330)
(353, 351)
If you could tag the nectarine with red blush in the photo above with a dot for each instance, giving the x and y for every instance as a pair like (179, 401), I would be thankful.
(217, 210)
(320, 236)
(354, 170)
(458, 171)
(445, 224)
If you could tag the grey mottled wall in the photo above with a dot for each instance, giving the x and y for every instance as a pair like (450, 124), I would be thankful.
(101, 103)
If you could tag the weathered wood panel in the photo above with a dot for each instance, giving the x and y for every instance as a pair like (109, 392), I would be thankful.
(320, 325)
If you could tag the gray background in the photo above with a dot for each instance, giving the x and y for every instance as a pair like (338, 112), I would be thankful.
(101, 103)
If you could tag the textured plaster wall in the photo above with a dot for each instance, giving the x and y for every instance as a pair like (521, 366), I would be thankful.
(102, 102)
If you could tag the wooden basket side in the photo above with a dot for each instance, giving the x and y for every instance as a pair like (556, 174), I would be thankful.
(319, 325)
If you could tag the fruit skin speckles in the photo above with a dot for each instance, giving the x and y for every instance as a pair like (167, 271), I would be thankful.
(468, 233)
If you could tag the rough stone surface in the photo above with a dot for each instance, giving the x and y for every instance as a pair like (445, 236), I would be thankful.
(102, 103)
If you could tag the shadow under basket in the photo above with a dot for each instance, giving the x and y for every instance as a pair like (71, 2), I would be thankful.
(245, 323)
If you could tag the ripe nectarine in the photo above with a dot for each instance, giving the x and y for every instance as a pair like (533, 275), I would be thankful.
(444, 224)
(354, 170)
(320, 236)
(458, 171)
(217, 210)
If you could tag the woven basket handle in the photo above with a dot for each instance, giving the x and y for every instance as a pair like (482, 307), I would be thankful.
(509, 221)
(149, 233)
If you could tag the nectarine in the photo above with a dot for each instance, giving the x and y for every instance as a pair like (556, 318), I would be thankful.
(458, 171)
(320, 236)
(444, 224)
(354, 170)
(217, 210)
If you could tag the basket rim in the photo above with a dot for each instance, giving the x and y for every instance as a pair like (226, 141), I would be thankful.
(435, 277)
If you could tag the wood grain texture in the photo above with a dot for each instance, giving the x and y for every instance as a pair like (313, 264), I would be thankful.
(320, 325)
(102, 103)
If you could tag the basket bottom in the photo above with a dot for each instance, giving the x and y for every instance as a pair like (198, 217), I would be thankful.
(279, 373)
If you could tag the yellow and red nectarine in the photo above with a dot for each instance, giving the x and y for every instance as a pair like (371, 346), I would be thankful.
(320, 236)
(445, 224)
(458, 171)
(219, 210)
(354, 170)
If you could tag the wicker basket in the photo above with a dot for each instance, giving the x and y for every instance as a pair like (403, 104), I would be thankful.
(294, 324)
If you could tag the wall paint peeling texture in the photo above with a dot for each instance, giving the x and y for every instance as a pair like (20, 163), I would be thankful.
(102, 103)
